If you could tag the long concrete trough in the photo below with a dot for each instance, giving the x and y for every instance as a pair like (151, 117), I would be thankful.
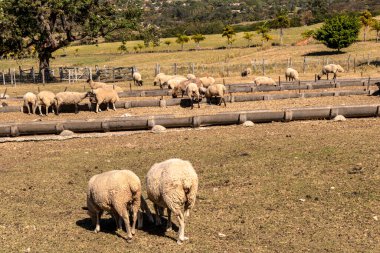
(145, 123)
(185, 102)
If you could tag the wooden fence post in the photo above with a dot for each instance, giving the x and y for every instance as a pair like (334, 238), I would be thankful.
(355, 65)
(263, 67)
(3, 77)
(348, 63)
(14, 76)
(304, 64)
(175, 68)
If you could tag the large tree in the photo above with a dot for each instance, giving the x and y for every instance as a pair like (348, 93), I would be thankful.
(281, 22)
(339, 32)
(48, 25)
(366, 20)
(229, 33)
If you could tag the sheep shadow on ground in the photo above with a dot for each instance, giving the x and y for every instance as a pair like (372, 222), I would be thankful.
(323, 53)
(108, 225)
(371, 63)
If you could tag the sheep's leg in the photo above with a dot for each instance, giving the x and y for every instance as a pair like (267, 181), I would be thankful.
(27, 105)
(192, 103)
(187, 212)
(58, 106)
(158, 217)
(327, 76)
(47, 110)
(181, 237)
(97, 108)
(125, 216)
(224, 101)
(199, 106)
(135, 210)
(169, 223)
(97, 227)
(114, 107)
(108, 106)
(140, 220)
(40, 109)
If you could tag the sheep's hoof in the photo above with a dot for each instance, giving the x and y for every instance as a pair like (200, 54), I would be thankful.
(180, 241)
(133, 232)
(168, 229)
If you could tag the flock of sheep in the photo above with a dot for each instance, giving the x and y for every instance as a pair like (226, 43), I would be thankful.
(171, 185)
(195, 88)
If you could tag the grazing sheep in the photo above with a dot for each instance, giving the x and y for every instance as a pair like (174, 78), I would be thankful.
(192, 91)
(117, 192)
(96, 85)
(69, 98)
(190, 76)
(47, 99)
(246, 72)
(182, 86)
(175, 81)
(207, 81)
(157, 78)
(264, 80)
(103, 95)
(216, 90)
(291, 75)
(137, 79)
(30, 100)
(173, 184)
(161, 79)
(330, 68)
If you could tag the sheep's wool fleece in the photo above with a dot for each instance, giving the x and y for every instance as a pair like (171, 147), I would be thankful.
(113, 186)
(170, 181)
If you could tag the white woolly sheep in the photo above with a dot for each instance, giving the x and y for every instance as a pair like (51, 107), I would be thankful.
(190, 76)
(216, 90)
(102, 95)
(96, 85)
(137, 79)
(45, 98)
(264, 80)
(173, 184)
(192, 91)
(330, 68)
(246, 72)
(207, 81)
(69, 98)
(291, 74)
(182, 86)
(157, 78)
(117, 192)
(161, 79)
(30, 100)
(175, 81)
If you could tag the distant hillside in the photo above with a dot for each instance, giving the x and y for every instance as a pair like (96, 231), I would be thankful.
(209, 16)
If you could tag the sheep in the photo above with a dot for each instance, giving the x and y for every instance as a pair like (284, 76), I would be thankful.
(264, 80)
(192, 91)
(69, 98)
(137, 79)
(175, 81)
(161, 79)
(172, 184)
(291, 74)
(246, 72)
(330, 68)
(182, 86)
(104, 95)
(118, 192)
(207, 81)
(190, 76)
(216, 90)
(47, 99)
(30, 100)
(157, 78)
(96, 85)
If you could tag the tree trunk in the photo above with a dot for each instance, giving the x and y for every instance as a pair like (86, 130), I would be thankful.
(365, 33)
(197, 45)
(377, 36)
(281, 35)
(44, 63)
(182, 46)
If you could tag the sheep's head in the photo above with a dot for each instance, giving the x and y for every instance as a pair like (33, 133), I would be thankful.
(319, 77)
(340, 69)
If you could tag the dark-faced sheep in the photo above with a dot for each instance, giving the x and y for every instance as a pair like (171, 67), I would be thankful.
(246, 72)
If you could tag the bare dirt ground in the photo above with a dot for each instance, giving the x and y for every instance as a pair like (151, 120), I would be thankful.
(279, 187)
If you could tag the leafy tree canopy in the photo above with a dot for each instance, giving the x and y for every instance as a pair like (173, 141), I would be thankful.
(48, 25)
(339, 32)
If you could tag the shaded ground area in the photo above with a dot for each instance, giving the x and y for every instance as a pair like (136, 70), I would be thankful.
(279, 187)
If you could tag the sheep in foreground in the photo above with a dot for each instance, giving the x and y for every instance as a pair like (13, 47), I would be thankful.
(190, 76)
(30, 100)
(102, 95)
(330, 68)
(137, 78)
(291, 75)
(192, 90)
(173, 184)
(96, 85)
(207, 81)
(69, 98)
(264, 80)
(246, 72)
(216, 90)
(117, 192)
(47, 99)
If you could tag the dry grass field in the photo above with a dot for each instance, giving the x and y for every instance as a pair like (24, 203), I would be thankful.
(279, 187)
(308, 186)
